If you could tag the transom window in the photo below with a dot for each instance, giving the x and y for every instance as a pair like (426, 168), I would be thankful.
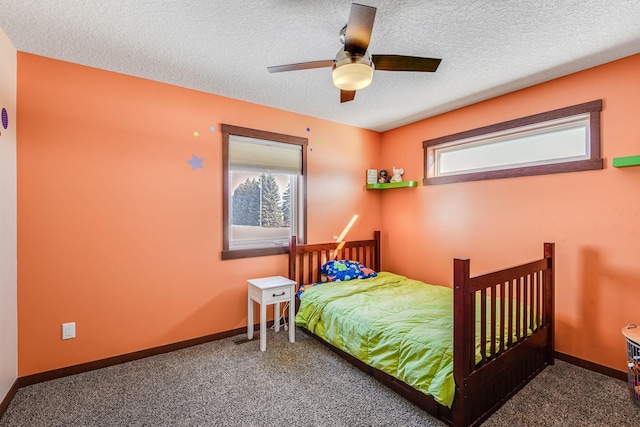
(264, 191)
(564, 140)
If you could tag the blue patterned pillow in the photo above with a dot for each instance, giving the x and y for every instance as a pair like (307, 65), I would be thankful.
(340, 271)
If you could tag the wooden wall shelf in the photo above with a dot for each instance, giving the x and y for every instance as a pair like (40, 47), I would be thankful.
(623, 162)
(401, 184)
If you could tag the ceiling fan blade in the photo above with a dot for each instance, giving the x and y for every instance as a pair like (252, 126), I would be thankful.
(301, 66)
(359, 27)
(405, 63)
(347, 95)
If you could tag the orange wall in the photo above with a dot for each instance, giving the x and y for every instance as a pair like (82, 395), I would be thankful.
(118, 234)
(593, 217)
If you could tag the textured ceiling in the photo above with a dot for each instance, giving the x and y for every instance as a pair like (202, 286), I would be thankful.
(488, 47)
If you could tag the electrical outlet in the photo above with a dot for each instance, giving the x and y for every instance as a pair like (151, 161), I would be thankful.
(68, 330)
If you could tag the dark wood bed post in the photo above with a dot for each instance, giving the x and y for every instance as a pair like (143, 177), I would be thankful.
(463, 358)
(376, 261)
(549, 302)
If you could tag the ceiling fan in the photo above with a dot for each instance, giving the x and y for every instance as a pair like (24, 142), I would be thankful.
(353, 66)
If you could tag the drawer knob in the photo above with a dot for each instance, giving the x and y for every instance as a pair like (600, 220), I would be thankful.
(278, 295)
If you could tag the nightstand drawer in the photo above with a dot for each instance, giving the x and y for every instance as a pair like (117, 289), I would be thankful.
(282, 293)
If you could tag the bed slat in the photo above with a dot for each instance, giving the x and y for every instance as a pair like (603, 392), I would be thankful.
(503, 299)
(493, 321)
(483, 324)
(510, 324)
(518, 308)
(525, 304)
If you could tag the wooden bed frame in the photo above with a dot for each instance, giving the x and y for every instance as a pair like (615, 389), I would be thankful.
(481, 388)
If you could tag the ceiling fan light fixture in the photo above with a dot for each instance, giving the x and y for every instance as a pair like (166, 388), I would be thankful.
(352, 76)
(352, 72)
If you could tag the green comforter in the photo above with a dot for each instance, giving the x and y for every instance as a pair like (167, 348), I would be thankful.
(398, 325)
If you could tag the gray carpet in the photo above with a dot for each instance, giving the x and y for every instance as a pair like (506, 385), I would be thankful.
(304, 384)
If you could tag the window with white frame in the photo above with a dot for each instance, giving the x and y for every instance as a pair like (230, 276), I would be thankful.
(264, 191)
(564, 140)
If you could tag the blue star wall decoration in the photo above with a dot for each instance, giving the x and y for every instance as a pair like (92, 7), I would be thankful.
(195, 162)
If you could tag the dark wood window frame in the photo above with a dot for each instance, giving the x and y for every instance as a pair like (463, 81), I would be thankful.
(228, 130)
(593, 162)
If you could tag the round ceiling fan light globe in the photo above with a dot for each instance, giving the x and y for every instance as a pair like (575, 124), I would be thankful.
(353, 76)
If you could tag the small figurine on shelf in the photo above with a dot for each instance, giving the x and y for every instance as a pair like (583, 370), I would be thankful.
(384, 176)
(397, 175)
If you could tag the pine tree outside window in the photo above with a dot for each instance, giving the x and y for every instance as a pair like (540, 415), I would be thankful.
(264, 191)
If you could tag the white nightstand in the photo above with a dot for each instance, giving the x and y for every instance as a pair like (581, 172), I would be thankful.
(271, 290)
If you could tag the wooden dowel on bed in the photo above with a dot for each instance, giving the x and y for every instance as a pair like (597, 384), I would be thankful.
(310, 267)
(548, 311)
(539, 299)
(518, 283)
(510, 325)
(483, 325)
(532, 298)
(532, 304)
(502, 308)
(525, 304)
(493, 321)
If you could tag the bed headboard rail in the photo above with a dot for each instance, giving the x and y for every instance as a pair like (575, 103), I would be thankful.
(305, 260)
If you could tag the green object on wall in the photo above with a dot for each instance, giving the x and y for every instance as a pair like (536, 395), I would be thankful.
(621, 162)
(392, 185)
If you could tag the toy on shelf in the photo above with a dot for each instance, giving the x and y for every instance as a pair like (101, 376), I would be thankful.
(384, 176)
(397, 175)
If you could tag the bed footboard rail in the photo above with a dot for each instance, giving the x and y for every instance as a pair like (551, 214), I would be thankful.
(503, 333)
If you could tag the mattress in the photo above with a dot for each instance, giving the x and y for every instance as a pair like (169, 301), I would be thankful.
(401, 326)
